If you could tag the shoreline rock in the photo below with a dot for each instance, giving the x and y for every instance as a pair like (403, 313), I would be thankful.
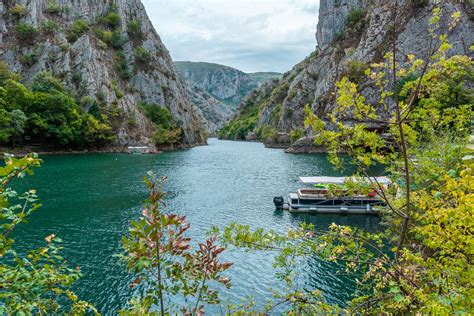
(305, 145)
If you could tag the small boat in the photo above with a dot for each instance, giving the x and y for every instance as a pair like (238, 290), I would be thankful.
(138, 150)
(327, 195)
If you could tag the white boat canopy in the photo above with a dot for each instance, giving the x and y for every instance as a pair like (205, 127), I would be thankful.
(340, 180)
(138, 148)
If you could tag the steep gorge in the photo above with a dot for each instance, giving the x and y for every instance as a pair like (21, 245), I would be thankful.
(106, 52)
(351, 34)
(217, 90)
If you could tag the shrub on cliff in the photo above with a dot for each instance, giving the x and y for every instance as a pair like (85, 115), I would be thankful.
(53, 7)
(113, 20)
(117, 40)
(121, 65)
(142, 55)
(355, 70)
(78, 28)
(26, 31)
(49, 26)
(18, 10)
(355, 15)
(104, 35)
(134, 28)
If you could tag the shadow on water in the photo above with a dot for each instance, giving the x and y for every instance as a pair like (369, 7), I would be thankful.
(89, 201)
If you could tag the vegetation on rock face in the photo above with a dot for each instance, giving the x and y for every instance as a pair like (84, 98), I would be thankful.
(46, 113)
(134, 28)
(142, 55)
(121, 66)
(18, 10)
(167, 133)
(53, 7)
(245, 125)
(355, 16)
(26, 31)
(240, 127)
(78, 28)
(113, 19)
(49, 26)
(38, 282)
(355, 70)
(296, 134)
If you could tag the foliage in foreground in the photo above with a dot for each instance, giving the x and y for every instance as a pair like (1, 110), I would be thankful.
(40, 282)
(422, 261)
(159, 254)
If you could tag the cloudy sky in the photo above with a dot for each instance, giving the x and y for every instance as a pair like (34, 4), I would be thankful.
(251, 35)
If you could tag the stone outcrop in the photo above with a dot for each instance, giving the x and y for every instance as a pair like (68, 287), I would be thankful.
(217, 90)
(349, 31)
(117, 61)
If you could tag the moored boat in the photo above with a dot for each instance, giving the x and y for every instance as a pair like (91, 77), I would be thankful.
(138, 150)
(329, 195)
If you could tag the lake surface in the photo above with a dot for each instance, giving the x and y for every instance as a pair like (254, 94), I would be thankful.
(89, 201)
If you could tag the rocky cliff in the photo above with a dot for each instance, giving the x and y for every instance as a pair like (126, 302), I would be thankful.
(351, 34)
(106, 52)
(217, 90)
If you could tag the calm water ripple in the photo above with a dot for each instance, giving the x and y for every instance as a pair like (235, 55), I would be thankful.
(89, 201)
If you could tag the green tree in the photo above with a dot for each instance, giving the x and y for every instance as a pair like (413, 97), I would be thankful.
(40, 282)
(17, 125)
(95, 132)
(166, 131)
(52, 114)
(159, 253)
(5, 131)
(6, 74)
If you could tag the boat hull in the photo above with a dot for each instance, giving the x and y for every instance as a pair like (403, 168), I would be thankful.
(331, 210)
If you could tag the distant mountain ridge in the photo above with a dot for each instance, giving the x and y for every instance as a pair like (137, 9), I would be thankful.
(217, 90)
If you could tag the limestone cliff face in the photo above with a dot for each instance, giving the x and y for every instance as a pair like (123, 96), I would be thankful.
(217, 90)
(117, 61)
(333, 19)
(349, 31)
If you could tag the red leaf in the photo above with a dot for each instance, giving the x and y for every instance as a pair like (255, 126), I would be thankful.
(50, 238)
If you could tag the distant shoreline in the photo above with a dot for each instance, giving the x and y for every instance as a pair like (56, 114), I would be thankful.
(44, 150)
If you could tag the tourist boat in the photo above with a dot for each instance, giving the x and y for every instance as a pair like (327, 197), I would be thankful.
(320, 196)
(138, 150)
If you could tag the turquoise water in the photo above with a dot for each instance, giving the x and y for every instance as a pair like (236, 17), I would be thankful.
(89, 201)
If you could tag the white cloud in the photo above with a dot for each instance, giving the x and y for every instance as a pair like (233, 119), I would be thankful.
(251, 35)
